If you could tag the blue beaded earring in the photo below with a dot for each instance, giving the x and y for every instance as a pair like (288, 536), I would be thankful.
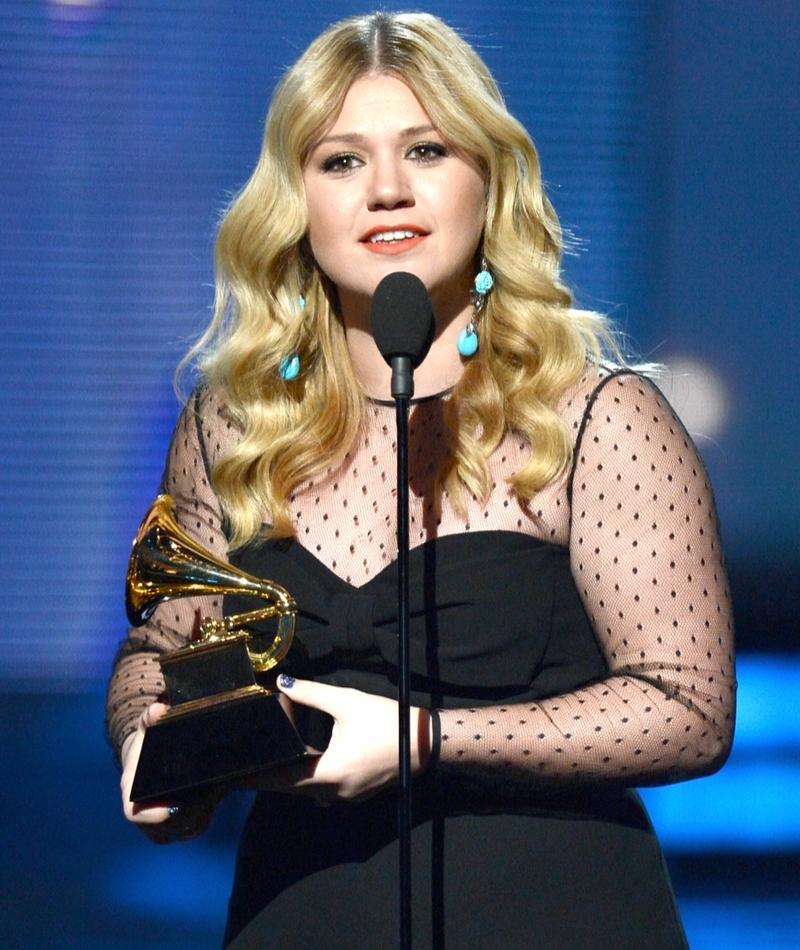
(467, 343)
(289, 366)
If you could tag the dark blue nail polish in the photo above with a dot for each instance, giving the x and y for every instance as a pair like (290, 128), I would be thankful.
(287, 682)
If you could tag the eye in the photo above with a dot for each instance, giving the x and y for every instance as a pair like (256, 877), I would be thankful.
(341, 163)
(427, 151)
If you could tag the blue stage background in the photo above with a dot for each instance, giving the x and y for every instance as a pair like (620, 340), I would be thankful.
(668, 134)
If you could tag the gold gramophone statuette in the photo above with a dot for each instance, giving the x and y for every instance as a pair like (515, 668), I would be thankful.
(221, 726)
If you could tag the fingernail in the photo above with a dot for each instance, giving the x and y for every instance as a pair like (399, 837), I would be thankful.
(173, 810)
(287, 682)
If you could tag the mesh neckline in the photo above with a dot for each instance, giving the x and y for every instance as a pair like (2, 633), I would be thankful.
(414, 401)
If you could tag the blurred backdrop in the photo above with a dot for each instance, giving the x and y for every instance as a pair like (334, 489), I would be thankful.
(668, 133)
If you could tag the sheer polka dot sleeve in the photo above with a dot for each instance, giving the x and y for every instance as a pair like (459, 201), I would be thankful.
(646, 558)
(200, 435)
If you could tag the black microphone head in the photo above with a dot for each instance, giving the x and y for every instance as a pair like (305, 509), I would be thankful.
(401, 317)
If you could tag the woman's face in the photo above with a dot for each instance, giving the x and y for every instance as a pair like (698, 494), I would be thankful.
(385, 194)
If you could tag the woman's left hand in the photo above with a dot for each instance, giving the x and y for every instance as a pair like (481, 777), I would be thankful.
(362, 755)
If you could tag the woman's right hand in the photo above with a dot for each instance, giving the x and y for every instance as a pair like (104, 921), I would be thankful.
(162, 822)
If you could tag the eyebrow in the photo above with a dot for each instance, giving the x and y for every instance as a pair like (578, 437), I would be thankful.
(356, 138)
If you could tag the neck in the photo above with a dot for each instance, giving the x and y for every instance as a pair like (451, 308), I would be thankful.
(439, 371)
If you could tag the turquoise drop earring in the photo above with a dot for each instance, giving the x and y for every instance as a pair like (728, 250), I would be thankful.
(289, 366)
(467, 343)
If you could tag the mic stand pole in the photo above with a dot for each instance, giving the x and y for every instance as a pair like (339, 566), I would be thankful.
(402, 391)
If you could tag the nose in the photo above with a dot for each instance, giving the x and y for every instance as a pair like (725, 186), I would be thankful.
(389, 185)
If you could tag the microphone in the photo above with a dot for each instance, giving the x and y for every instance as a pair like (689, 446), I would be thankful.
(401, 317)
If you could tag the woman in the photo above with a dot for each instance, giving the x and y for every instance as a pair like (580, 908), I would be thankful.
(570, 624)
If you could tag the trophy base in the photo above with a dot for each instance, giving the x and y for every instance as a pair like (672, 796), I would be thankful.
(215, 743)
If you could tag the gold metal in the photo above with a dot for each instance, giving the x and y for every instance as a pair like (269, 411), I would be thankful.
(166, 563)
(209, 702)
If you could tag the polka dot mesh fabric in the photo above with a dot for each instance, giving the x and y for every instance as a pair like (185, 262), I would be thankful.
(637, 515)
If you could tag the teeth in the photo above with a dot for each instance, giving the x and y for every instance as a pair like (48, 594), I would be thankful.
(389, 236)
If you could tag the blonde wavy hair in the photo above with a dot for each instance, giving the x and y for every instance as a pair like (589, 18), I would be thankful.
(533, 343)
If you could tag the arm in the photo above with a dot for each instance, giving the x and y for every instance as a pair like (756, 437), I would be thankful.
(136, 682)
(647, 562)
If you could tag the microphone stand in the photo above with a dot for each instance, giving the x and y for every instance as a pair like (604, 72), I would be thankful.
(402, 391)
(403, 326)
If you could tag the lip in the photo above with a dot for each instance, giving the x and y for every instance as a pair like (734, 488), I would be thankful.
(393, 247)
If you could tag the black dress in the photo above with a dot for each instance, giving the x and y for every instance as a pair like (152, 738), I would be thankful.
(494, 865)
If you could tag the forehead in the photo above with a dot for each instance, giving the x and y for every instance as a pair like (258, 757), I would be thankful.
(379, 103)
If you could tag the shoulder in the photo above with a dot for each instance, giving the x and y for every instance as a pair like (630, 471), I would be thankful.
(616, 399)
(204, 433)
(630, 435)
(208, 417)
(620, 421)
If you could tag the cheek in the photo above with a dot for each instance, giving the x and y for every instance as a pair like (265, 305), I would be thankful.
(322, 220)
(479, 206)
(316, 215)
(471, 205)
(470, 226)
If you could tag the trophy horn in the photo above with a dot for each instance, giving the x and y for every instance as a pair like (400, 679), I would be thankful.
(166, 563)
